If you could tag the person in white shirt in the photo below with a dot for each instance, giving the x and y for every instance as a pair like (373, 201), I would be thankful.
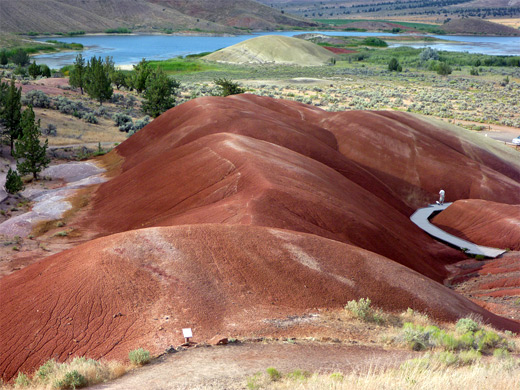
(441, 197)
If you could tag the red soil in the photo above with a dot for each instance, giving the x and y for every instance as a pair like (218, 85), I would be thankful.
(495, 282)
(50, 86)
(339, 50)
(475, 219)
(213, 180)
(139, 288)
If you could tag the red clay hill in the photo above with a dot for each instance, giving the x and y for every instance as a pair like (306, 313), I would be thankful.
(230, 211)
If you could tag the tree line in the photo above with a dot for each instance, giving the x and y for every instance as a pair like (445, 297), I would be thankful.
(23, 135)
(97, 76)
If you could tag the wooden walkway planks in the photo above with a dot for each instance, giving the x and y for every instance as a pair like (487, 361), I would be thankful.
(421, 219)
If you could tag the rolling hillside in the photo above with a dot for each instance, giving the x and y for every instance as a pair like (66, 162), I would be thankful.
(273, 49)
(225, 213)
(51, 16)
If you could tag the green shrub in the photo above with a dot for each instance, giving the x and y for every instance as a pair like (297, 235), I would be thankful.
(22, 380)
(119, 30)
(394, 66)
(443, 68)
(228, 87)
(501, 353)
(71, 380)
(13, 182)
(487, 340)
(449, 341)
(361, 309)
(469, 357)
(299, 375)
(373, 41)
(46, 370)
(467, 341)
(447, 358)
(139, 356)
(465, 325)
(274, 374)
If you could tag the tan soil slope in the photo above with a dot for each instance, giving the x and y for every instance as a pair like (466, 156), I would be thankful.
(478, 26)
(139, 288)
(273, 49)
(44, 16)
(483, 222)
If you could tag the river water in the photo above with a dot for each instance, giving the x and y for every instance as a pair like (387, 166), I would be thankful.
(130, 49)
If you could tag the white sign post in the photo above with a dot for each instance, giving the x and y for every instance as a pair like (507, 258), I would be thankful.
(187, 333)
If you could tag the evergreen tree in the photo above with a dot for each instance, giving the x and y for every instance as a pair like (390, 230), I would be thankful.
(20, 57)
(394, 66)
(77, 74)
(13, 182)
(11, 112)
(45, 71)
(31, 157)
(139, 75)
(34, 70)
(443, 69)
(109, 65)
(119, 79)
(228, 87)
(98, 85)
(4, 59)
(158, 96)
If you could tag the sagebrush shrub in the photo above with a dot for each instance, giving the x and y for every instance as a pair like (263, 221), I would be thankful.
(274, 374)
(361, 309)
(36, 98)
(465, 325)
(121, 119)
(139, 356)
(90, 118)
(71, 380)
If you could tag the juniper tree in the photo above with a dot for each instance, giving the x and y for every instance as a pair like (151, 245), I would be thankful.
(98, 85)
(139, 75)
(34, 70)
(31, 156)
(45, 71)
(4, 59)
(159, 93)
(77, 74)
(20, 57)
(13, 182)
(10, 112)
(228, 87)
(394, 66)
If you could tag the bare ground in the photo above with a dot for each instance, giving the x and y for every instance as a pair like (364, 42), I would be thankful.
(230, 366)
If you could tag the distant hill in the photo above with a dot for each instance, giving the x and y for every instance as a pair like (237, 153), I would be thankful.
(221, 16)
(273, 49)
(434, 11)
(478, 26)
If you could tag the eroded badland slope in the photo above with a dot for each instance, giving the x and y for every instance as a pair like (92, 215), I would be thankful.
(226, 212)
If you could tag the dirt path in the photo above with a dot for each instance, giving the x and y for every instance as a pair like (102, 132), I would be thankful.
(229, 367)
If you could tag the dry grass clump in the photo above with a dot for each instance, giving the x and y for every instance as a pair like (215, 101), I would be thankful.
(78, 373)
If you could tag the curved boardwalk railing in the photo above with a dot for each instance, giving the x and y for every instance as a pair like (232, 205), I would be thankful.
(421, 219)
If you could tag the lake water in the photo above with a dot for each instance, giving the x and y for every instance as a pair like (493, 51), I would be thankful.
(130, 49)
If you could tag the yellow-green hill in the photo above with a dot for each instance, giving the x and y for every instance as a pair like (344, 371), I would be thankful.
(273, 49)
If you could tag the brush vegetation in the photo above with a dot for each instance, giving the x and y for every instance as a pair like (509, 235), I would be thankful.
(79, 372)
(454, 357)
